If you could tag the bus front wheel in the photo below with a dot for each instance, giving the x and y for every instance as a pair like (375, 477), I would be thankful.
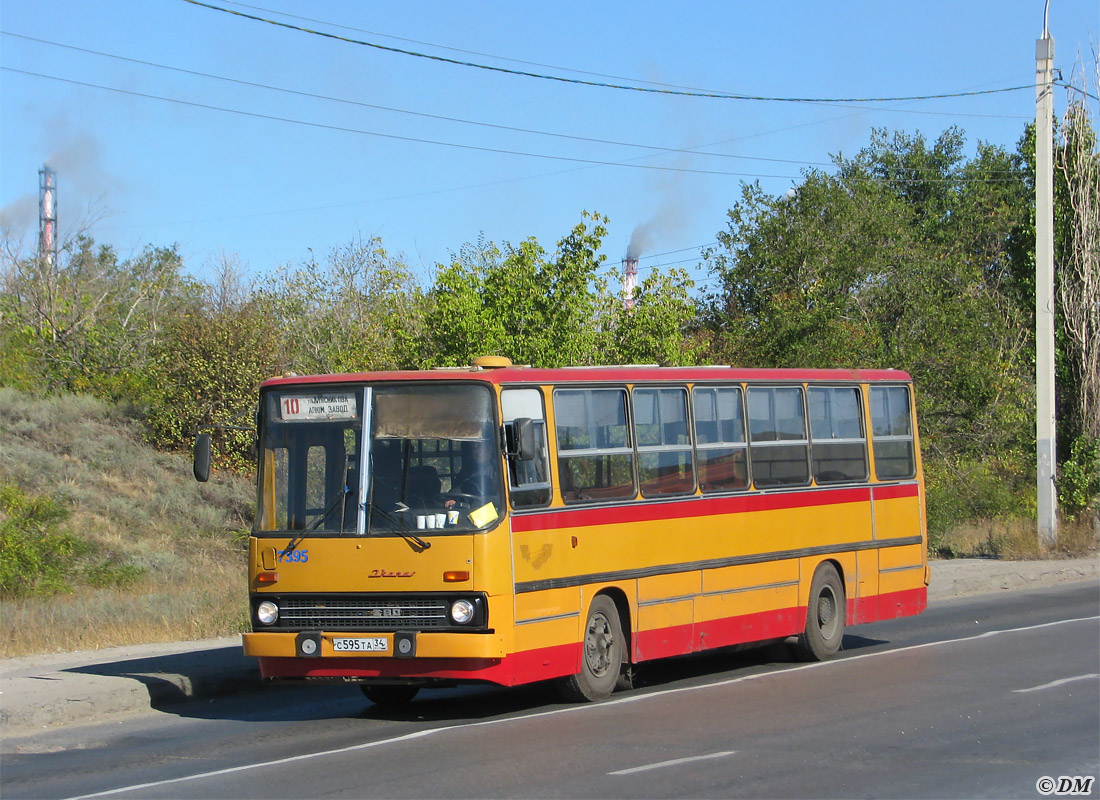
(825, 614)
(601, 656)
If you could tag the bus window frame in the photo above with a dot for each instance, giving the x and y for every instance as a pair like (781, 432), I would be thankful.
(723, 444)
(563, 455)
(364, 392)
(689, 431)
(861, 404)
(776, 443)
(544, 455)
(910, 438)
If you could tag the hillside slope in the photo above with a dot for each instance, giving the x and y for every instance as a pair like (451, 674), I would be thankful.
(133, 549)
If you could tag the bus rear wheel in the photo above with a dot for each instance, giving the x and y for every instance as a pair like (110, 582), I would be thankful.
(389, 696)
(601, 657)
(825, 614)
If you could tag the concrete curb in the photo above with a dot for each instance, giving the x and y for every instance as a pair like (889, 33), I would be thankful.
(39, 692)
(968, 576)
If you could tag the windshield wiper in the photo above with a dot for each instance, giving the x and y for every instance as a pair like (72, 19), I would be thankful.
(401, 527)
(417, 544)
(340, 501)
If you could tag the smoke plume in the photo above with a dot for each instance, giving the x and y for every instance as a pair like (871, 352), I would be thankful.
(668, 219)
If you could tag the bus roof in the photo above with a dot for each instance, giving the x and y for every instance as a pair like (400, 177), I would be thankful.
(600, 374)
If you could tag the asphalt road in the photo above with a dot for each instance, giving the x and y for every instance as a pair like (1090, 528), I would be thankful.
(979, 697)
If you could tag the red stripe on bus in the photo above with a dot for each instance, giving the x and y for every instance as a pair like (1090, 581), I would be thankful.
(700, 507)
(449, 668)
(561, 660)
(523, 667)
(891, 491)
(696, 637)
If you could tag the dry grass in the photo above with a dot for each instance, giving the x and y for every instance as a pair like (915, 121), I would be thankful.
(1017, 539)
(137, 507)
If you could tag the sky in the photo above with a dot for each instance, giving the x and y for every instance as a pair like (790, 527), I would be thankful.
(174, 123)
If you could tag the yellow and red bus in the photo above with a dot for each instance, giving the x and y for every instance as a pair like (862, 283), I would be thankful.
(511, 524)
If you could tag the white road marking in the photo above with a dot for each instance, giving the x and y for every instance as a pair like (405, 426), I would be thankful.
(578, 709)
(674, 762)
(1052, 684)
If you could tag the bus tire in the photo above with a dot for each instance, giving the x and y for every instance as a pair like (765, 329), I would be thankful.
(826, 610)
(389, 695)
(601, 655)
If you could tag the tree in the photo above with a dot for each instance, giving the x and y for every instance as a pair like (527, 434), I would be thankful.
(795, 272)
(656, 329)
(553, 310)
(903, 258)
(360, 310)
(206, 370)
(86, 321)
(1078, 166)
(519, 302)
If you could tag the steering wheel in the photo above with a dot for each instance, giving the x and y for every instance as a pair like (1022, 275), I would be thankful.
(462, 499)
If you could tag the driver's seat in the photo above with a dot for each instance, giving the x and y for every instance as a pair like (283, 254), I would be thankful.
(423, 487)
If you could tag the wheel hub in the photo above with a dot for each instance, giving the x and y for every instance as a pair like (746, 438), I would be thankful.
(598, 642)
(826, 613)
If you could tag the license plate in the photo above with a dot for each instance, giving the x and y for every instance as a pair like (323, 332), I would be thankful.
(371, 644)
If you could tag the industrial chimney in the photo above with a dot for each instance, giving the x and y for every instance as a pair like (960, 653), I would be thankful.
(630, 280)
(47, 215)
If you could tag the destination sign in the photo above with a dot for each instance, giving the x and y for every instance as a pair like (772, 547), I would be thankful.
(317, 407)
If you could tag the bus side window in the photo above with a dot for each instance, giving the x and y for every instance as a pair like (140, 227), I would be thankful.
(720, 438)
(892, 432)
(664, 448)
(838, 447)
(595, 454)
(528, 481)
(779, 445)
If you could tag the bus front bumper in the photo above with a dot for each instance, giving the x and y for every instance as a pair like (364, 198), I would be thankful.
(400, 645)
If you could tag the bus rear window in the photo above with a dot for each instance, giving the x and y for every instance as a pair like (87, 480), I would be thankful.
(892, 431)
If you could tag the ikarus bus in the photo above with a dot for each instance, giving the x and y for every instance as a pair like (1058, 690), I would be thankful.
(510, 524)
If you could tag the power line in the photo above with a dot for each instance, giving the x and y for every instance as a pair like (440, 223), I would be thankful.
(565, 69)
(456, 49)
(477, 148)
(360, 104)
(597, 84)
(1078, 89)
(357, 103)
(344, 129)
(673, 263)
(674, 252)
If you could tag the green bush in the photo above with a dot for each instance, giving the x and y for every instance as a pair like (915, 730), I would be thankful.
(1079, 476)
(962, 490)
(112, 573)
(35, 558)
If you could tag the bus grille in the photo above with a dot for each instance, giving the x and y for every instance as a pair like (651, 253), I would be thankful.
(364, 614)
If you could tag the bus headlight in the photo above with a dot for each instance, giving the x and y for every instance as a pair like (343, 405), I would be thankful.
(267, 612)
(462, 611)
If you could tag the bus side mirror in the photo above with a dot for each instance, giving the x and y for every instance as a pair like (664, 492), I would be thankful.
(202, 458)
(526, 438)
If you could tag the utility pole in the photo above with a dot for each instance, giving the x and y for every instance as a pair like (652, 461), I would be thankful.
(1045, 439)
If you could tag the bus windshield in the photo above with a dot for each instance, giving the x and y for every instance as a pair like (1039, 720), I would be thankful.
(431, 462)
